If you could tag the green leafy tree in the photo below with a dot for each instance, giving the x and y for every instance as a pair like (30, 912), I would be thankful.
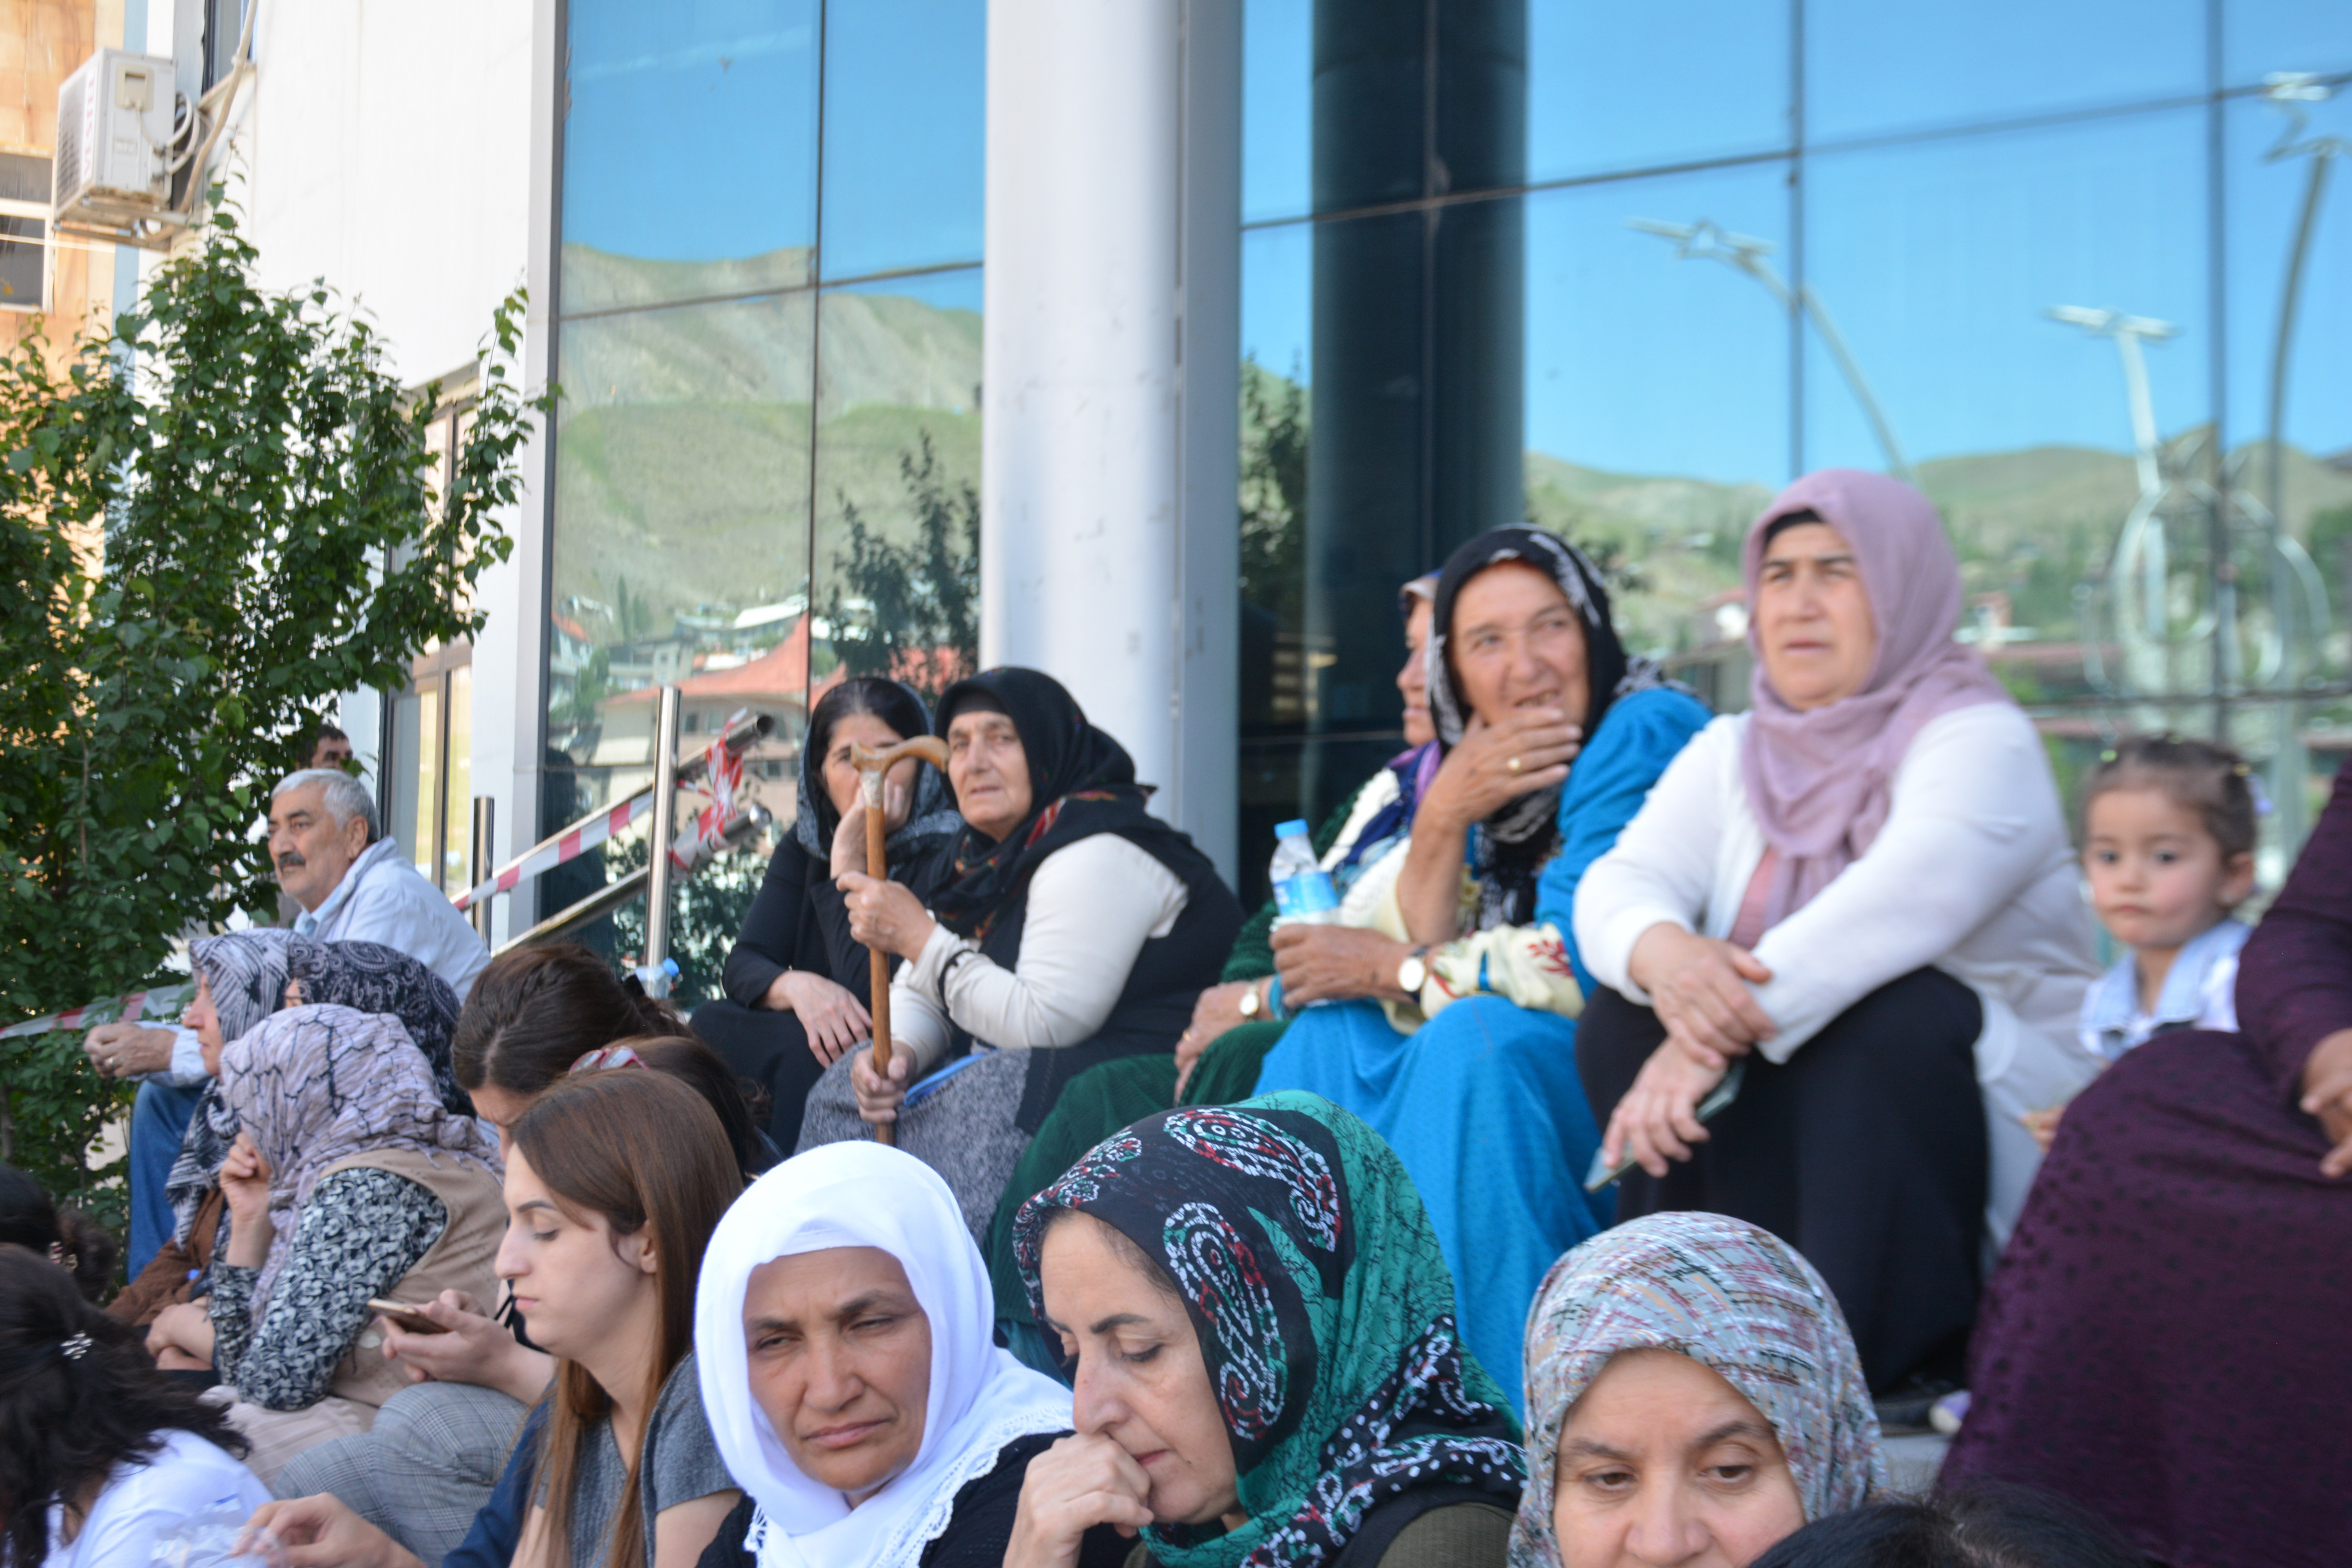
(917, 610)
(204, 552)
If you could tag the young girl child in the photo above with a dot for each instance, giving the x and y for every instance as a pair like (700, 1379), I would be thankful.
(2168, 846)
(614, 1182)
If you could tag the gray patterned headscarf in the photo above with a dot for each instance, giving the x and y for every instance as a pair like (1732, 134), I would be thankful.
(1729, 1295)
(369, 977)
(317, 1084)
(246, 972)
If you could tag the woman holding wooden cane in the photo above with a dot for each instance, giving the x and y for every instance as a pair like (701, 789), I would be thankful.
(1068, 927)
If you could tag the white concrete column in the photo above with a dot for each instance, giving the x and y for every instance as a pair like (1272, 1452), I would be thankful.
(1108, 544)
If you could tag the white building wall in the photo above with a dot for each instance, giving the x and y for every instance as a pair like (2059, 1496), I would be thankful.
(389, 149)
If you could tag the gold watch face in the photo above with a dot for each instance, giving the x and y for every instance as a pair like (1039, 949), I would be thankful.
(1411, 974)
(1249, 1004)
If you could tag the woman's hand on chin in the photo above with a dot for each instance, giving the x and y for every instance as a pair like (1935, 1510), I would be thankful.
(1698, 987)
(1082, 1480)
(1528, 749)
(1658, 1119)
(245, 1184)
(882, 914)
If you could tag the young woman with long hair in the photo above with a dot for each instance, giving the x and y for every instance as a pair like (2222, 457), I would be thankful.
(615, 1183)
(425, 1472)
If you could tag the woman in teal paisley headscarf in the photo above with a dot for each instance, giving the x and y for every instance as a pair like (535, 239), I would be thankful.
(1267, 1367)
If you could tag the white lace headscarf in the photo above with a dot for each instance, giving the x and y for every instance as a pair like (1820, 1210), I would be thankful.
(862, 1194)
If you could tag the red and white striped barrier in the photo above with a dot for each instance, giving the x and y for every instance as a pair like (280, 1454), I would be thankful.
(569, 847)
(165, 1002)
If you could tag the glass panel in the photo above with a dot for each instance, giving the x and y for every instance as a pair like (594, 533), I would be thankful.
(897, 479)
(1657, 392)
(23, 263)
(2259, 36)
(400, 775)
(457, 815)
(904, 133)
(1276, 670)
(1670, 82)
(1278, 109)
(1872, 67)
(1942, 262)
(420, 846)
(680, 547)
(689, 151)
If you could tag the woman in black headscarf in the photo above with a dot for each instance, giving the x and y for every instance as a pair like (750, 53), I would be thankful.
(797, 983)
(1552, 735)
(1066, 926)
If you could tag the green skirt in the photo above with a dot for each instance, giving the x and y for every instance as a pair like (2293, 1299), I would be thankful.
(1094, 1105)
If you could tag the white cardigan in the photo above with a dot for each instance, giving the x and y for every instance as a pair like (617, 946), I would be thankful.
(1972, 874)
(1092, 906)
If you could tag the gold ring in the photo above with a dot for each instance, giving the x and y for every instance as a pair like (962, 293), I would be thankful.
(1511, 765)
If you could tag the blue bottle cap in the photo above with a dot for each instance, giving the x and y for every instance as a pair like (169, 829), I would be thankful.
(1291, 829)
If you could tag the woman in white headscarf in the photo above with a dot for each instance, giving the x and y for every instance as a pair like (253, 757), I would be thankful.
(843, 1332)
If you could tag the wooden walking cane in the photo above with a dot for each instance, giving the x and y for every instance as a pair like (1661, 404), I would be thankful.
(873, 767)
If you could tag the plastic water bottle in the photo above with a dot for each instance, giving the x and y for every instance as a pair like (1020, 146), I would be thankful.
(1304, 893)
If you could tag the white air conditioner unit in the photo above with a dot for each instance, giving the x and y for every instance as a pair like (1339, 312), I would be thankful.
(113, 160)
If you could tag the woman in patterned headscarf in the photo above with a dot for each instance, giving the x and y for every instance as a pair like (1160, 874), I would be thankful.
(1692, 1374)
(1553, 734)
(348, 1180)
(1268, 1371)
(242, 978)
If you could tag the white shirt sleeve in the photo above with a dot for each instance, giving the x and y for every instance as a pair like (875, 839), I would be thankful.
(188, 1478)
(1969, 828)
(1662, 868)
(187, 1069)
(1091, 909)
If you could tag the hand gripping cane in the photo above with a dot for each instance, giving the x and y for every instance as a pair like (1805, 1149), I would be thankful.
(873, 767)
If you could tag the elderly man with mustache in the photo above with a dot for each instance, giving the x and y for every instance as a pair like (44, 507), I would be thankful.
(351, 885)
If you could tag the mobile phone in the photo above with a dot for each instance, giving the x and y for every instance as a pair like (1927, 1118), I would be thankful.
(405, 1316)
(1721, 1095)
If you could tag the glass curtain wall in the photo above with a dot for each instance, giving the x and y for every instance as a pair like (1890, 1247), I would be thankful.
(767, 457)
(2059, 262)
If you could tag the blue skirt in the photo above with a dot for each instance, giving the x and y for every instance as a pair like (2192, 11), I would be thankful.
(1484, 1107)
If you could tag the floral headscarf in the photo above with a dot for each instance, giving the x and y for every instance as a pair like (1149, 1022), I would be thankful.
(1325, 1312)
(317, 1084)
(1734, 1297)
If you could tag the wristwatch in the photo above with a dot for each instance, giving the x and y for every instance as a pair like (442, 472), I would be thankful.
(1251, 1003)
(1413, 973)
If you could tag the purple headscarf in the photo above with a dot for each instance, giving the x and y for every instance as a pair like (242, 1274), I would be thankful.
(1819, 782)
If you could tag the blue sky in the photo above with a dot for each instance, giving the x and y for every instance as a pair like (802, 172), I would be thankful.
(695, 138)
(1937, 254)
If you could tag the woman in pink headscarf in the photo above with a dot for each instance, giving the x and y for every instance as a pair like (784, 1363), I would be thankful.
(1862, 889)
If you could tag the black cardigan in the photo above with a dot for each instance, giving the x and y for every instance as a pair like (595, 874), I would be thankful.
(798, 920)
